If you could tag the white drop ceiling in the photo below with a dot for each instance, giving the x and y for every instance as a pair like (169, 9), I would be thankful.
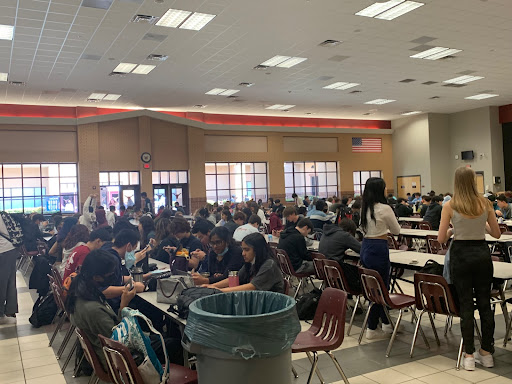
(64, 52)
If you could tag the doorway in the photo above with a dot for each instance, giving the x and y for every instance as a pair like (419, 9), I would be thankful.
(408, 184)
(168, 194)
(480, 185)
(119, 188)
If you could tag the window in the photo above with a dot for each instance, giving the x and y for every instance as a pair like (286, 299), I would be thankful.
(119, 178)
(42, 188)
(236, 181)
(311, 178)
(170, 177)
(360, 178)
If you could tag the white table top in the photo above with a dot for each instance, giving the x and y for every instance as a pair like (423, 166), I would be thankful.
(423, 233)
(313, 247)
(411, 219)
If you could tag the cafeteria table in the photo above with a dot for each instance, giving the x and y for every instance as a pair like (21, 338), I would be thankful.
(422, 234)
(312, 247)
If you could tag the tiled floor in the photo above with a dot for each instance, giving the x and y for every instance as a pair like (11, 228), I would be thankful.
(26, 358)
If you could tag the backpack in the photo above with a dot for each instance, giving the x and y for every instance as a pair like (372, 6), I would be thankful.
(307, 304)
(43, 311)
(14, 231)
(66, 284)
(189, 295)
(345, 212)
(432, 267)
(129, 333)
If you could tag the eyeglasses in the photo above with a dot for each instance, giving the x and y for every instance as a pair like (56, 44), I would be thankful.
(218, 242)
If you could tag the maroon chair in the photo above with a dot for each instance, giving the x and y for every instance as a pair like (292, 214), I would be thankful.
(434, 246)
(335, 278)
(26, 258)
(92, 358)
(57, 277)
(124, 370)
(327, 331)
(425, 225)
(503, 228)
(288, 271)
(319, 267)
(375, 292)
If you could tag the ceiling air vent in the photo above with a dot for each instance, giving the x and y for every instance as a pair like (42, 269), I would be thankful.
(200, 106)
(429, 82)
(155, 57)
(261, 67)
(17, 83)
(117, 74)
(144, 19)
(232, 97)
(434, 97)
(455, 85)
(329, 43)
(246, 84)
(355, 92)
(407, 80)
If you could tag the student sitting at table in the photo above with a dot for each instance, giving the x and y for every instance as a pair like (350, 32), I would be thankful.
(433, 215)
(505, 208)
(251, 227)
(336, 239)
(164, 238)
(239, 218)
(275, 222)
(260, 272)
(77, 236)
(320, 215)
(425, 203)
(293, 241)
(181, 230)
(291, 216)
(402, 208)
(223, 257)
(228, 222)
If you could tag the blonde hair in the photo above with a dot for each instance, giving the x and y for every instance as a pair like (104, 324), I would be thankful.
(466, 199)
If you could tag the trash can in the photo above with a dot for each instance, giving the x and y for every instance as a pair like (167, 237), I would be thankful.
(242, 337)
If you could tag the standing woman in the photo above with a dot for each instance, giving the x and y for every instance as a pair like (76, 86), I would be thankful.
(471, 266)
(377, 219)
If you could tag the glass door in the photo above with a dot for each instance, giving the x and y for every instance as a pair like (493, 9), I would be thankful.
(179, 193)
(160, 196)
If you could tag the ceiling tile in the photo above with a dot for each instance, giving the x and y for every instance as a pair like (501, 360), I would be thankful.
(33, 5)
(57, 26)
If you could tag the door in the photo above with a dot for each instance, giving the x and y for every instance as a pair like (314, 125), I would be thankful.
(168, 194)
(179, 193)
(480, 186)
(160, 196)
(118, 195)
(408, 184)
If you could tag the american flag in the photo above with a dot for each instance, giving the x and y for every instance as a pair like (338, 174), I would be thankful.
(366, 145)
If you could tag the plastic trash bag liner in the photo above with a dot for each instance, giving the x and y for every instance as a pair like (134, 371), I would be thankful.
(246, 324)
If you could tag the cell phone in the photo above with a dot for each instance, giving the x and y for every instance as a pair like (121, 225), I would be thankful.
(129, 284)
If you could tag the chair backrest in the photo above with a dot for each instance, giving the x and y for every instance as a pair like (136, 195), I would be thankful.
(425, 225)
(406, 225)
(123, 368)
(57, 293)
(92, 357)
(373, 286)
(286, 287)
(392, 243)
(58, 278)
(503, 228)
(284, 262)
(334, 275)
(433, 294)
(317, 263)
(329, 321)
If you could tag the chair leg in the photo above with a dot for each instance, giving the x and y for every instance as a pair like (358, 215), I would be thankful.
(64, 344)
(338, 366)
(415, 336)
(77, 368)
(421, 328)
(388, 316)
(393, 336)
(447, 325)
(353, 315)
(94, 379)
(57, 329)
(314, 367)
(297, 289)
(507, 332)
(294, 372)
(71, 353)
(459, 356)
(365, 322)
(434, 329)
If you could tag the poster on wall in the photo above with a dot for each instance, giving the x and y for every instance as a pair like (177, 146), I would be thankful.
(414, 184)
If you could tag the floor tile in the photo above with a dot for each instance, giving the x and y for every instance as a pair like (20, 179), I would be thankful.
(10, 366)
(47, 370)
(53, 379)
(415, 369)
(34, 345)
(388, 376)
(497, 380)
(443, 378)
(9, 350)
(33, 338)
(357, 380)
(12, 377)
(39, 361)
(439, 362)
(8, 342)
(48, 351)
(472, 376)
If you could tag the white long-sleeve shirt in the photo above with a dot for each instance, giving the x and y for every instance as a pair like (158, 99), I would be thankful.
(385, 221)
(87, 217)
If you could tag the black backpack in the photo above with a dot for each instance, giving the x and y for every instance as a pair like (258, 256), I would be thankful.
(432, 267)
(307, 304)
(43, 311)
(189, 295)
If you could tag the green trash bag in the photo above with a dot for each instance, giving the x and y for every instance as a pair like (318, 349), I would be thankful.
(246, 324)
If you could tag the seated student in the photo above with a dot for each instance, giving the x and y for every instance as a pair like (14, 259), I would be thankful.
(319, 215)
(492, 199)
(391, 200)
(433, 214)
(291, 216)
(239, 218)
(96, 240)
(293, 241)
(402, 208)
(337, 203)
(256, 210)
(223, 257)
(416, 198)
(425, 203)
(277, 205)
(111, 216)
(356, 212)
(275, 222)
(181, 230)
(101, 218)
(164, 238)
(504, 207)
(228, 221)
(336, 239)
(32, 231)
(251, 227)
(77, 236)
(260, 272)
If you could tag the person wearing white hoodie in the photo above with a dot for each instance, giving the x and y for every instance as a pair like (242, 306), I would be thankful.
(88, 217)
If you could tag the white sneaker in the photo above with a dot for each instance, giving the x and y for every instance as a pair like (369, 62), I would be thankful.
(7, 320)
(376, 334)
(387, 328)
(468, 363)
(486, 361)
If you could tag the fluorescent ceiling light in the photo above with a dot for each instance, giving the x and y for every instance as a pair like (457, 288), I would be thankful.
(3, 76)
(275, 60)
(229, 92)
(197, 21)
(291, 62)
(341, 85)
(216, 91)
(380, 101)
(111, 97)
(143, 69)
(411, 113)
(435, 53)
(377, 8)
(6, 32)
(97, 96)
(125, 67)
(399, 10)
(463, 79)
(280, 107)
(173, 18)
(481, 96)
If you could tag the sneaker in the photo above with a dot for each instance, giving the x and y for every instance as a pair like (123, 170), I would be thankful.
(468, 363)
(487, 361)
(376, 334)
(387, 328)
(7, 320)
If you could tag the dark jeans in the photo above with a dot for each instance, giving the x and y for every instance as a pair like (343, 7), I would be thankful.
(8, 292)
(375, 255)
(472, 271)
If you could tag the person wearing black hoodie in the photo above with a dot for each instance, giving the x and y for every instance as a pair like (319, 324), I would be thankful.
(293, 241)
(402, 208)
(337, 239)
(433, 215)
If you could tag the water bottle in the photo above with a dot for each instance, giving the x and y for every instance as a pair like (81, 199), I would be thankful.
(233, 279)
(500, 220)
(269, 238)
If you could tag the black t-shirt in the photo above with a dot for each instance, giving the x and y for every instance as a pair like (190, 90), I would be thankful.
(191, 243)
(231, 261)
(119, 271)
(268, 278)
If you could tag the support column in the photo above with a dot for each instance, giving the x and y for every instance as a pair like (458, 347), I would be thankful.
(196, 181)
(88, 161)
(146, 177)
(275, 167)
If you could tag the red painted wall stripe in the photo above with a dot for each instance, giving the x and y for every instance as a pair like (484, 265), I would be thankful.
(506, 114)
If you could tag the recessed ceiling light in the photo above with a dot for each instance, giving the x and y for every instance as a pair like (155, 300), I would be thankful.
(6, 32)
(111, 97)
(200, 106)
(435, 53)
(197, 21)
(229, 92)
(481, 96)
(291, 62)
(216, 91)
(96, 96)
(341, 85)
(399, 10)
(282, 61)
(275, 60)
(463, 79)
(143, 69)
(3, 76)
(380, 101)
(377, 8)
(124, 68)
(173, 18)
(411, 113)
(280, 107)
